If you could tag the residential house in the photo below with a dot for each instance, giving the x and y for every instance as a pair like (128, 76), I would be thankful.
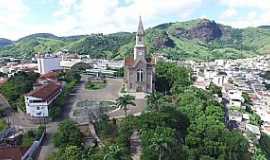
(38, 101)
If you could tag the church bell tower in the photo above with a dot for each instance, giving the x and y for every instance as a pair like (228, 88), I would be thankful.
(139, 49)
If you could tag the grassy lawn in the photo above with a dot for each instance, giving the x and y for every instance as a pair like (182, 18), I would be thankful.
(95, 85)
(3, 124)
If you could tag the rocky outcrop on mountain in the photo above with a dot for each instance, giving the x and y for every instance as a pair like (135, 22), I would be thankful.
(206, 30)
(163, 41)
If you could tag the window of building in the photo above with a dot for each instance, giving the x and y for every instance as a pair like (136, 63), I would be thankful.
(38, 108)
(35, 101)
(139, 75)
(140, 39)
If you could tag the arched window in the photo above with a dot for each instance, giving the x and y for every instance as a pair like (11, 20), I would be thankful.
(139, 75)
(140, 38)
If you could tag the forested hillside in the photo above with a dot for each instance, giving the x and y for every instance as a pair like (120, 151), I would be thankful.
(195, 39)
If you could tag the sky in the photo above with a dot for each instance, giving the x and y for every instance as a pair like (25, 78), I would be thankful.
(19, 18)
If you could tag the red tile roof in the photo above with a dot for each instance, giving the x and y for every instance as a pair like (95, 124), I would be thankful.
(50, 75)
(46, 92)
(12, 153)
(129, 61)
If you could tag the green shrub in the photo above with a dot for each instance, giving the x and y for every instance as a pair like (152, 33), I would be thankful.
(3, 124)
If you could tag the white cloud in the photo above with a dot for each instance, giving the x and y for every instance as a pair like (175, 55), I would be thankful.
(92, 16)
(12, 13)
(260, 4)
(110, 16)
(244, 13)
(229, 13)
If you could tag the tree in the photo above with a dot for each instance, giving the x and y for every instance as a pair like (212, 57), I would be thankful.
(236, 146)
(255, 119)
(72, 75)
(67, 134)
(72, 153)
(259, 155)
(265, 143)
(114, 153)
(161, 140)
(81, 66)
(247, 98)
(154, 101)
(170, 76)
(123, 102)
(17, 86)
(214, 89)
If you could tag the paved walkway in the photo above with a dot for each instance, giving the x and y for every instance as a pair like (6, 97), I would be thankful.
(48, 147)
(135, 146)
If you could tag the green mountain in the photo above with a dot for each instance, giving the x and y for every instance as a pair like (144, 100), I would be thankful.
(195, 39)
(5, 42)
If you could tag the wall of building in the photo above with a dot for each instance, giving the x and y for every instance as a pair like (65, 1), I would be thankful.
(47, 64)
(36, 109)
(146, 85)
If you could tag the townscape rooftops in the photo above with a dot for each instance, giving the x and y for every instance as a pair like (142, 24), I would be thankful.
(46, 92)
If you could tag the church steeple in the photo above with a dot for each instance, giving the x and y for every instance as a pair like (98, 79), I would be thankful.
(139, 49)
(140, 30)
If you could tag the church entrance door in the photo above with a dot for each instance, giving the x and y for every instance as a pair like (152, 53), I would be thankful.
(139, 89)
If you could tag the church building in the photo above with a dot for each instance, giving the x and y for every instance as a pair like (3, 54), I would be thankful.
(139, 70)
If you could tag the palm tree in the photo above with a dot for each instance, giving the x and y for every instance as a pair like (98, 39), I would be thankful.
(123, 101)
(114, 153)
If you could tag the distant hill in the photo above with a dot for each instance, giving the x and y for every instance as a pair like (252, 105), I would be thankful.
(195, 39)
(5, 42)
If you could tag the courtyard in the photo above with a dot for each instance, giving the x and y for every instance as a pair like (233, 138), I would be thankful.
(89, 104)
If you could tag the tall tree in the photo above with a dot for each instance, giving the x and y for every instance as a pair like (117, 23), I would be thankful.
(170, 77)
(123, 102)
(161, 141)
(67, 134)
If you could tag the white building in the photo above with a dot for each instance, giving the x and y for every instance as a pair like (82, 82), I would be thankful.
(104, 64)
(37, 102)
(67, 64)
(48, 62)
(219, 78)
(235, 98)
